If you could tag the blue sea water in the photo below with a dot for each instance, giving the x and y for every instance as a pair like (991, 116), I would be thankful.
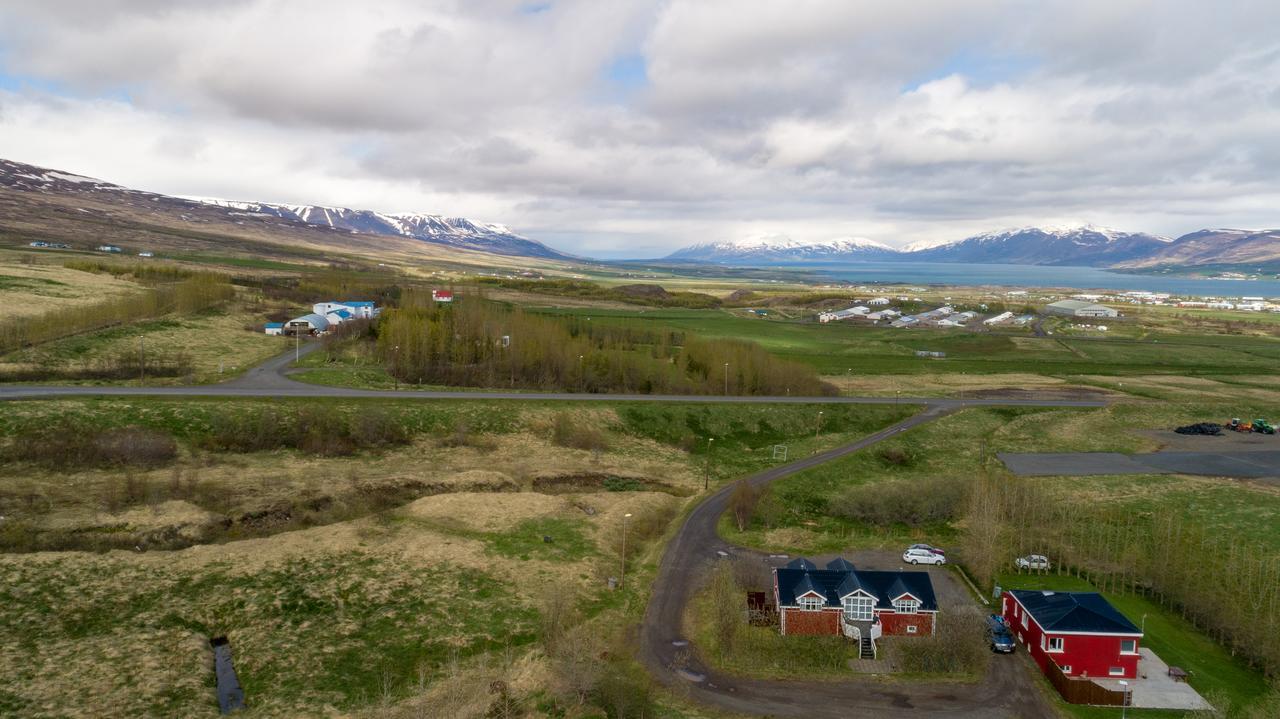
(1084, 278)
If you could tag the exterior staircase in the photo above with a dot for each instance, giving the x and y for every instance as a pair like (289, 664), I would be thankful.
(868, 648)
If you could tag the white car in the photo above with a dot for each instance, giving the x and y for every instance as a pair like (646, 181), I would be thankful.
(1032, 561)
(922, 556)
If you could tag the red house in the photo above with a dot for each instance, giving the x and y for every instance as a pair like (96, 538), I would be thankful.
(442, 295)
(860, 604)
(1080, 632)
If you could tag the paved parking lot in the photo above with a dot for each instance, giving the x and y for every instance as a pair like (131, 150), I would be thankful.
(1252, 464)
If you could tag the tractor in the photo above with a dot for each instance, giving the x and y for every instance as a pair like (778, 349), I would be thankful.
(1262, 426)
(1235, 425)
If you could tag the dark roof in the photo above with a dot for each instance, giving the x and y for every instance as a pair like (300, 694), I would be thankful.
(841, 579)
(1074, 612)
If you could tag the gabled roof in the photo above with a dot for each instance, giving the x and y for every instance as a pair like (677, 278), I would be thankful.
(841, 579)
(1074, 612)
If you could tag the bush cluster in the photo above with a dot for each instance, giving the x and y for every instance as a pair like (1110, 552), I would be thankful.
(323, 431)
(69, 444)
(956, 647)
(911, 502)
(566, 432)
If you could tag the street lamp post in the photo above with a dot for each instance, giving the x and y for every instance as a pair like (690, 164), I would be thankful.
(706, 467)
(622, 577)
(395, 366)
(726, 379)
(819, 428)
(142, 359)
(1124, 708)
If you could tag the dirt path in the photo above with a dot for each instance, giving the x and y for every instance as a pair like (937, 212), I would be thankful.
(1007, 690)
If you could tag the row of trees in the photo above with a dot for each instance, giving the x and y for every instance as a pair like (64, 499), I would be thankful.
(1228, 588)
(198, 292)
(483, 343)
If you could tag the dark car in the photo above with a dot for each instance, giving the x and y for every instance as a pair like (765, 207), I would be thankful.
(998, 635)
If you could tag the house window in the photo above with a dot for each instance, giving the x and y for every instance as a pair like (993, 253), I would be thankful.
(911, 629)
(1116, 671)
(858, 608)
(810, 604)
(1128, 646)
(1055, 644)
(1066, 668)
(906, 606)
(1024, 620)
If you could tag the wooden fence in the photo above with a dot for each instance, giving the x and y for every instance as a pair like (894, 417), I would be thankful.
(1084, 691)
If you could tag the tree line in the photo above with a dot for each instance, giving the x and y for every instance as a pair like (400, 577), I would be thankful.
(198, 292)
(478, 342)
(1228, 588)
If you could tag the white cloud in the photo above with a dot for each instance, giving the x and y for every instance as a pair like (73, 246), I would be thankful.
(815, 118)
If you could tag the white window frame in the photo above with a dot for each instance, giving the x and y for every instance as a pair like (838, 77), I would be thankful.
(1052, 641)
(911, 629)
(859, 608)
(810, 604)
(1066, 668)
(1130, 652)
(906, 606)
(1115, 671)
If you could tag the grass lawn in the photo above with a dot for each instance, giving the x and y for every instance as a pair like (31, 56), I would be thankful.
(1213, 670)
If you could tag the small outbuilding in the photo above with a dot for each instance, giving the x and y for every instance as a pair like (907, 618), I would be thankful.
(274, 328)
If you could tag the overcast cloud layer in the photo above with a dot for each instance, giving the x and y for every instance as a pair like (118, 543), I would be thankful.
(627, 128)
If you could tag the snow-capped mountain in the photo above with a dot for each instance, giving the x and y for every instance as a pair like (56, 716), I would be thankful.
(435, 229)
(1079, 245)
(455, 231)
(781, 248)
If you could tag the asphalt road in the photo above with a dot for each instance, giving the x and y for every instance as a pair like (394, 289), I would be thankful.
(1008, 689)
(1249, 464)
(269, 380)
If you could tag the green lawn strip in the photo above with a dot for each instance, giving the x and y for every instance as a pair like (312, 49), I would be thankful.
(549, 539)
(1175, 640)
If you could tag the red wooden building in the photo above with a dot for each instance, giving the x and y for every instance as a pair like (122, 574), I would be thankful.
(843, 601)
(1080, 632)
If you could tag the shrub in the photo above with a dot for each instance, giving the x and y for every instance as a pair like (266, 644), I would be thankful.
(910, 502)
(68, 443)
(955, 647)
(896, 457)
(568, 433)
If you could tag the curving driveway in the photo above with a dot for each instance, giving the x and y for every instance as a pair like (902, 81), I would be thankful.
(1008, 690)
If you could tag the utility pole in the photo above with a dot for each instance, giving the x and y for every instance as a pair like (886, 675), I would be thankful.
(706, 468)
(622, 577)
(142, 359)
(726, 379)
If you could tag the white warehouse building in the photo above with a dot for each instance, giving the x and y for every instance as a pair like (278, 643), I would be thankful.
(1078, 308)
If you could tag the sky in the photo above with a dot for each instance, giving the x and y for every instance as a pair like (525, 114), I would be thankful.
(630, 128)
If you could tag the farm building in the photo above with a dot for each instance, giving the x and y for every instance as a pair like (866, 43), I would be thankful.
(862, 605)
(1002, 317)
(879, 302)
(274, 328)
(1080, 633)
(312, 324)
(845, 314)
(359, 310)
(1079, 308)
(442, 295)
(108, 248)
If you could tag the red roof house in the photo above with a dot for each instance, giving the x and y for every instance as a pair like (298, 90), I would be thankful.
(1079, 632)
(442, 295)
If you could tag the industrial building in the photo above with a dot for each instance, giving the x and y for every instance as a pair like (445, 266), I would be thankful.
(1079, 308)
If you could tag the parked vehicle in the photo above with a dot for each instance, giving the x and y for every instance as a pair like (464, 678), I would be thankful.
(922, 556)
(998, 635)
(1032, 561)
(928, 548)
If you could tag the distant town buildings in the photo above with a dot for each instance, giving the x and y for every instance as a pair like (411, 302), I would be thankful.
(324, 317)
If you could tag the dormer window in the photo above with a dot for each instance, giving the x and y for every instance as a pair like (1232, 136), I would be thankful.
(906, 605)
(810, 604)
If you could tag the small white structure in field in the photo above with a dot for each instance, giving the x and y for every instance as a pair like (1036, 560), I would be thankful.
(879, 302)
(274, 328)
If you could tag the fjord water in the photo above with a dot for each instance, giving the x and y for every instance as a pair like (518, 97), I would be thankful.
(1084, 278)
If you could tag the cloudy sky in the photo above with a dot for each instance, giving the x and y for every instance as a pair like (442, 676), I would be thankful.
(627, 128)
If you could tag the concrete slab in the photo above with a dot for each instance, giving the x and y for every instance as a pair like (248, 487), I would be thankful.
(1252, 464)
(1155, 689)
(1039, 464)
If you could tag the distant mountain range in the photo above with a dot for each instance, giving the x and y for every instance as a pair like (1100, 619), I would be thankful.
(780, 248)
(1085, 245)
(454, 232)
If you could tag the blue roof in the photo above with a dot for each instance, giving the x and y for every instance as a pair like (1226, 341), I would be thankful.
(1074, 612)
(356, 304)
(274, 325)
(344, 314)
(840, 578)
